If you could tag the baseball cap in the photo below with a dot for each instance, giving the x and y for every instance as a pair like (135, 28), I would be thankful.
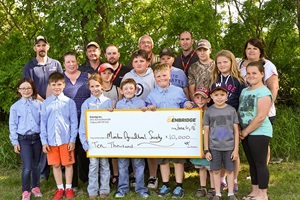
(204, 91)
(218, 86)
(105, 66)
(38, 38)
(203, 44)
(166, 51)
(93, 44)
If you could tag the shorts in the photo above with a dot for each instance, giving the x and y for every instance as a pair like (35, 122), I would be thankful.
(162, 161)
(60, 155)
(221, 158)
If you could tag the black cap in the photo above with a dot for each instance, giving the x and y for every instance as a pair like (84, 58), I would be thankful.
(218, 86)
(166, 51)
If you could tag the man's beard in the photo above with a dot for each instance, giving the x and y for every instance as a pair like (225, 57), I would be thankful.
(42, 53)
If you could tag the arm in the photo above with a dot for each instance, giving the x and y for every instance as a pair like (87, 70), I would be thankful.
(263, 107)
(206, 143)
(82, 134)
(74, 124)
(192, 91)
(186, 92)
(235, 152)
(273, 85)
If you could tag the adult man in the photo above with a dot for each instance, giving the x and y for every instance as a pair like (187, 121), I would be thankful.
(146, 43)
(93, 53)
(112, 56)
(188, 55)
(199, 72)
(39, 70)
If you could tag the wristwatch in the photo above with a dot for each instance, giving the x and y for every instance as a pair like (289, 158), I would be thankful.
(206, 151)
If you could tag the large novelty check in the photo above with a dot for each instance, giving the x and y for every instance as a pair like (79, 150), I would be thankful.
(164, 133)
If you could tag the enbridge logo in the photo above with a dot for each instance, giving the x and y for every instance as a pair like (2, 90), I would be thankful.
(181, 119)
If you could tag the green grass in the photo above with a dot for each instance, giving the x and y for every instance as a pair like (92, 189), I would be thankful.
(284, 184)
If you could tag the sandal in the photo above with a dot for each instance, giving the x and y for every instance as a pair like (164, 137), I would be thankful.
(248, 197)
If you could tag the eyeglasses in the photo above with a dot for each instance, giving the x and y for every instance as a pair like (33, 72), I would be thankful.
(25, 89)
(145, 42)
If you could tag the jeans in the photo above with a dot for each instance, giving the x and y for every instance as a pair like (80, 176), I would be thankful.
(30, 151)
(93, 186)
(139, 166)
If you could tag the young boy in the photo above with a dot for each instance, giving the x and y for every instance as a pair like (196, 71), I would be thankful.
(168, 96)
(143, 76)
(178, 77)
(221, 137)
(128, 88)
(199, 72)
(201, 99)
(59, 127)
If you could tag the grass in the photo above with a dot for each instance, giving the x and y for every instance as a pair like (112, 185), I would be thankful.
(284, 184)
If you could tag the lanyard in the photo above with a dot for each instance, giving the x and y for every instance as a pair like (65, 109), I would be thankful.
(186, 65)
(117, 72)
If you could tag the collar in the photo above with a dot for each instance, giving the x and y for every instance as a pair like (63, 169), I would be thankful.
(101, 98)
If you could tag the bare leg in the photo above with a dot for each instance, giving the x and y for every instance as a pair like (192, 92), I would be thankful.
(217, 180)
(165, 172)
(58, 174)
(69, 173)
(152, 165)
(114, 162)
(212, 180)
(230, 182)
(179, 172)
(203, 176)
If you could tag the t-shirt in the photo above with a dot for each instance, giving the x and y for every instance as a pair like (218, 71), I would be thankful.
(248, 110)
(178, 78)
(220, 122)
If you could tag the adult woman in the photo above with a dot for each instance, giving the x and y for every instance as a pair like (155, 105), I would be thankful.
(77, 89)
(254, 51)
(256, 133)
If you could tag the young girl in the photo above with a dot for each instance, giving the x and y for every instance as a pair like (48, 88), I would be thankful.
(97, 101)
(255, 103)
(24, 126)
(113, 92)
(226, 71)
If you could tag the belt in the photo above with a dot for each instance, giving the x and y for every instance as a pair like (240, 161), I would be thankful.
(32, 136)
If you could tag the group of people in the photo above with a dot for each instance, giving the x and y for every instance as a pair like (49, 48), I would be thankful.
(236, 96)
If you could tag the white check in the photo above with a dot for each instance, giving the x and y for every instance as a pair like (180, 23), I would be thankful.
(165, 133)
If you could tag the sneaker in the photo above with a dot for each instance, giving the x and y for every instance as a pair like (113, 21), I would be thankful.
(36, 192)
(216, 198)
(59, 193)
(201, 192)
(119, 195)
(211, 193)
(69, 193)
(164, 190)
(132, 181)
(178, 192)
(26, 195)
(145, 195)
(235, 188)
(232, 197)
(152, 182)
(223, 186)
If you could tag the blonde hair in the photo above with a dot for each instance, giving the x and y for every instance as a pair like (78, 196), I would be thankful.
(160, 66)
(234, 70)
(95, 77)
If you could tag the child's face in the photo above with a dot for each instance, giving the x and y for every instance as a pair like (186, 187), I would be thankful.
(25, 90)
(95, 88)
(128, 90)
(162, 78)
(168, 60)
(106, 75)
(224, 65)
(140, 65)
(203, 54)
(219, 97)
(200, 101)
(57, 87)
(254, 76)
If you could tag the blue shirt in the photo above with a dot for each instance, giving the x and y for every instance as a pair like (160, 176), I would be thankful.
(40, 73)
(92, 103)
(59, 123)
(133, 103)
(172, 97)
(24, 118)
(178, 77)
